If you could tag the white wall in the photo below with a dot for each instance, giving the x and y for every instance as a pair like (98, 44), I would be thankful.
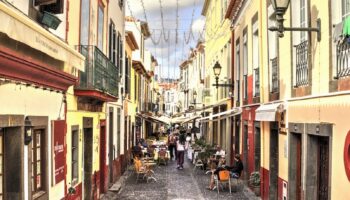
(22, 100)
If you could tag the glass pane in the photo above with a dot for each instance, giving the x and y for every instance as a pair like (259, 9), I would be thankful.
(38, 168)
(38, 154)
(38, 137)
(32, 183)
(0, 184)
(0, 144)
(38, 181)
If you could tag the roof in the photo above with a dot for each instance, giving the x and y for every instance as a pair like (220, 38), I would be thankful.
(130, 40)
(233, 9)
(205, 7)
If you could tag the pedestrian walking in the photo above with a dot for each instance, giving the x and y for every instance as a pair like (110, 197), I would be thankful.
(172, 145)
(180, 146)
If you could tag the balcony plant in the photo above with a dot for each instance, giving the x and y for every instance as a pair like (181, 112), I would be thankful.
(254, 181)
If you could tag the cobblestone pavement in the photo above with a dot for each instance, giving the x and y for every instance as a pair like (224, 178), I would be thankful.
(174, 184)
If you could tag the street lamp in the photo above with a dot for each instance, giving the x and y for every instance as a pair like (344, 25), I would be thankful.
(280, 7)
(217, 70)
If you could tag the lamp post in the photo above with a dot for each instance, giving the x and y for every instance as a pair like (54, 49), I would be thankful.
(217, 70)
(280, 7)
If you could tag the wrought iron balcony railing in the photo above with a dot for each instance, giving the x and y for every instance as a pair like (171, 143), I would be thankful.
(274, 75)
(100, 73)
(257, 82)
(343, 59)
(302, 64)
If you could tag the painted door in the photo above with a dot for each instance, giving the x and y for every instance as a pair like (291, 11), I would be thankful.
(102, 158)
(1, 165)
(110, 145)
(323, 167)
(298, 166)
(273, 187)
(257, 145)
(245, 151)
(87, 163)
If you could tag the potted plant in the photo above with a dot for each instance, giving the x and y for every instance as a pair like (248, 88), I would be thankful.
(254, 181)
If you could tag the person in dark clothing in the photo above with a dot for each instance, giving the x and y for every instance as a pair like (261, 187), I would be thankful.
(235, 171)
(137, 150)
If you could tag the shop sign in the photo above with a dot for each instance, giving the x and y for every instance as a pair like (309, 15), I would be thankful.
(59, 133)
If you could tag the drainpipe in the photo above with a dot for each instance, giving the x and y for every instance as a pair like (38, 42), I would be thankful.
(233, 129)
(262, 143)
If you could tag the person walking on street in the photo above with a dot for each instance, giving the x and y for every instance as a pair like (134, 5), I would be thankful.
(171, 145)
(180, 147)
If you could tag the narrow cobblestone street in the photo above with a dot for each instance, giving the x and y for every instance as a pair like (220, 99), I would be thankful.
(174, 184)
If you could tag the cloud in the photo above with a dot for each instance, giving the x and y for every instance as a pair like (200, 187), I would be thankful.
(169, 53)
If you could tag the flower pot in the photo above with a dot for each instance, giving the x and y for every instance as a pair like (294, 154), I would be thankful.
(256, 190)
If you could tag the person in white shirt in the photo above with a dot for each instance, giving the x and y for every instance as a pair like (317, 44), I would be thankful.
(180, 148)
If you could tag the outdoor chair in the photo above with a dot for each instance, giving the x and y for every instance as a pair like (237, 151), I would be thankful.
(225, 178)
(162, 157)
(140, 171)
(198, 163)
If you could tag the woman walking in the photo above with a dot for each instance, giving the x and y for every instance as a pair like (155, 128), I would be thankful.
(180, 147)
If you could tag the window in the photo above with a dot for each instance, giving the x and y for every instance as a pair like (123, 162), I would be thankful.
(256, 74)
(300, 43)
(75, 158)
(118, 131)
(84, 22)
(112, 43)
(127, 75)
(345, 8)
(245, 64)
(100, 28)
(120, 54)
(273, 61)
(238, 70)
(38, 164)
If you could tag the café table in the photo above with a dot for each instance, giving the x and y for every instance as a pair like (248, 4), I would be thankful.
(149, 172)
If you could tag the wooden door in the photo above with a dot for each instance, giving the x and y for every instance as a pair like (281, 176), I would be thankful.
(273, 187)
(87, 163)
(102, 158)
(323, 168)
(298, 166)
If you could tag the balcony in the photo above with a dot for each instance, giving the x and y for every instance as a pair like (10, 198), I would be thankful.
(343, 60)
(274, 75)
(100, 79)
(302, 64)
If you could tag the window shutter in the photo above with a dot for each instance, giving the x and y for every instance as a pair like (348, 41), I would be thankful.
(43, 2)
(55, 8)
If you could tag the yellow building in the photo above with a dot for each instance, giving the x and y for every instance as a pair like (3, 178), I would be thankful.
(86, 102)
(130, 102)
(218, 51)
(298, 135)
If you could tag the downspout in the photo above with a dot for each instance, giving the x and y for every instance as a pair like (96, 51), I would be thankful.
(262, 143)
(233, 129)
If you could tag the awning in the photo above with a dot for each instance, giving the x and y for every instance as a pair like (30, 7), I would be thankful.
(267, 112)
(190, 119)
(155, 119)
(21, 28)
(222, 115)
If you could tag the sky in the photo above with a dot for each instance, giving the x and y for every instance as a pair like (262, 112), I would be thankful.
(181, 16)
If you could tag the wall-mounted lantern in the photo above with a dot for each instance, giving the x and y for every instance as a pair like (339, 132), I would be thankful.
(28, 131)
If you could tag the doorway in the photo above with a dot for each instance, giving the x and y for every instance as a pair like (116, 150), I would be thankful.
(102, 158)
(273, 189)
(245, 150)
(295, 163)
(110, 144)
(257, 146)
(87, 163)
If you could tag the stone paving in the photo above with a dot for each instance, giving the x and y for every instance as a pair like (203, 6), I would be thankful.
(174, 184)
